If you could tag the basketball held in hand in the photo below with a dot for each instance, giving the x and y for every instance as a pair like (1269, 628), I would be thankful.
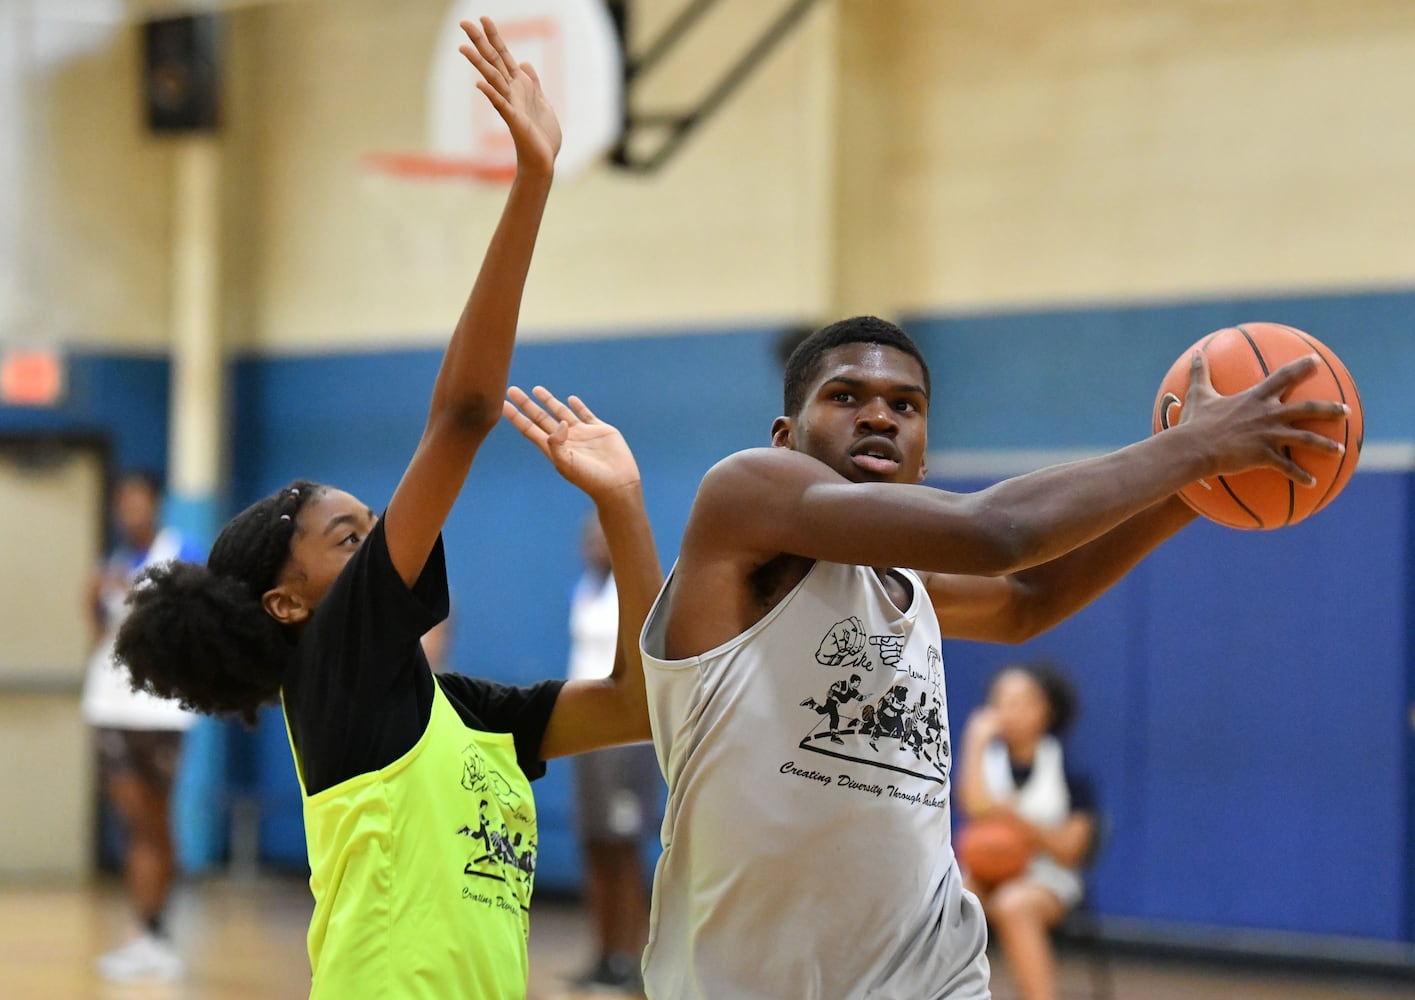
(1240, 357)
(993, 848)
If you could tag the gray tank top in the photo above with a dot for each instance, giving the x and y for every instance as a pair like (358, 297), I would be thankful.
(806, 842)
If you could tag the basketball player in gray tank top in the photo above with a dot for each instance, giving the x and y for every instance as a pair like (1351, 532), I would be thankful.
(795, 677)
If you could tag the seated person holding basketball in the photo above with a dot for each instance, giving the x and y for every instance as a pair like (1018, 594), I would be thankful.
(1029, 822)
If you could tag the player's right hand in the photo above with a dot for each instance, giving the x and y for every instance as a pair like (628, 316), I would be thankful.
(1255, 427)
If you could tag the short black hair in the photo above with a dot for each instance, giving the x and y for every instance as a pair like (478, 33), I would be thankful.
(146, 478)
(788, 340)
(200, 634)
(804, 364)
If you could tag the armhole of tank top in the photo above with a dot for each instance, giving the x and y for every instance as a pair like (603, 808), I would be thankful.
(391, 769)
(917, 592)
(294, 750)
(737, 640)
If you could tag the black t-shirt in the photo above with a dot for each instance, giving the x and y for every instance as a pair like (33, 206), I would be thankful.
(358, 694)
(1078, 786)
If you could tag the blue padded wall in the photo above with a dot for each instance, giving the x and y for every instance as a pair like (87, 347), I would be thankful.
(1244, 718)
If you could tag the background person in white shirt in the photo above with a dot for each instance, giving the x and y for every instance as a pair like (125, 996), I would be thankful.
(618, 791)
(138, 735)
(1012, 762)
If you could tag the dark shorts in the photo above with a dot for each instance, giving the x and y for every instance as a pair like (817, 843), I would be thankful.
(618, 793)
(151, 755)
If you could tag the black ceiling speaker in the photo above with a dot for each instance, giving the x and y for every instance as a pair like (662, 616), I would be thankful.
(182, 73)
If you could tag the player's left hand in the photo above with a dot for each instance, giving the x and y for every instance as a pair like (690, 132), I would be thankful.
(515, 92)
(585, 450)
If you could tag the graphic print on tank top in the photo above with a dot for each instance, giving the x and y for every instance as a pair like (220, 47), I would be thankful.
(503, 835)
(887, 713)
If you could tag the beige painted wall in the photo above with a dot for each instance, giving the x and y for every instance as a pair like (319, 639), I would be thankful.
(317, 253)
(892, 155)
(96, 219)
(737, 227)
(49, 782)
(1119, 150)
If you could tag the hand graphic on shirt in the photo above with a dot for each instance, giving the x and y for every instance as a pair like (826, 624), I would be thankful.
(843, 645)
(891, 648)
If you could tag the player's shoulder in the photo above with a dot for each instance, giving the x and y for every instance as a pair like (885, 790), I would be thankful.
(749, 470)
(746, 460)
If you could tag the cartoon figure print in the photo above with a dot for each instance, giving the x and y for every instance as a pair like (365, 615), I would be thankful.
(500, 846)
(887, 719)
(923, 726)
(504, 856)
(891, 649)
(844, 646)
(900, 726)
(840, 692)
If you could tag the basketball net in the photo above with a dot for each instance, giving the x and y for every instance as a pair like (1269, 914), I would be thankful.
(575, 50)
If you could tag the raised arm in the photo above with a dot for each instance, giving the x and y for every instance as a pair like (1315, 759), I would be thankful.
(593, 455)
(1021, 606)
(761, 503)
(466, 398)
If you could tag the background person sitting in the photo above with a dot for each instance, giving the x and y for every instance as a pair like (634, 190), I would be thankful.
(1014, 771)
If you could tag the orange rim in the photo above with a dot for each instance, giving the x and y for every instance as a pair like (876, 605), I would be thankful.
(421, 166)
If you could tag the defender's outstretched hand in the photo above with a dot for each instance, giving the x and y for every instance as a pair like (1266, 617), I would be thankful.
(592, 455)
(515, 92)
(585, 450)
(1256, 427)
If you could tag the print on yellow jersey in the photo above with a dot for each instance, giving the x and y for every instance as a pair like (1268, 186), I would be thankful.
(503, 835)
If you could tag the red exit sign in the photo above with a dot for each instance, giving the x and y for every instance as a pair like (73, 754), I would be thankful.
(31, 376)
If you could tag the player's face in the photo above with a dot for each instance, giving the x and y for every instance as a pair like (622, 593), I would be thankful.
(866, 415)
(1022, 709)
(135, 511)
(328, 531)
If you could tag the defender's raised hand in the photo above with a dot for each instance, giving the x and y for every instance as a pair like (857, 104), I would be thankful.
(515, 92)
(592, 455)
(589, 453)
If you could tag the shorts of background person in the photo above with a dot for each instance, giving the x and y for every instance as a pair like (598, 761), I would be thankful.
(151, 755)
(618, 793)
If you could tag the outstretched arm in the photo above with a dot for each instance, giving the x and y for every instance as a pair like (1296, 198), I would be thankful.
(761, 503)
(466, 398)
(594, 456)
(1020, 606)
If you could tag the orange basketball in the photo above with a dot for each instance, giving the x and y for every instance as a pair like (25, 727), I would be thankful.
(1240, 357)
(993, 848)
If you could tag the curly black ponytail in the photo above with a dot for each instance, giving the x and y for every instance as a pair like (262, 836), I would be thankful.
(200, 634)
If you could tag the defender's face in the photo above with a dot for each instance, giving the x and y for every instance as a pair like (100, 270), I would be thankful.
(328, 531)
(866, 416)
(331, 528)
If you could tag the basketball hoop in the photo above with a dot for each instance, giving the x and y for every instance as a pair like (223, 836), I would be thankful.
(575, 50)
(427, 167)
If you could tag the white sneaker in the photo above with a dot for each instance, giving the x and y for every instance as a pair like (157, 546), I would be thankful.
(148, 957)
